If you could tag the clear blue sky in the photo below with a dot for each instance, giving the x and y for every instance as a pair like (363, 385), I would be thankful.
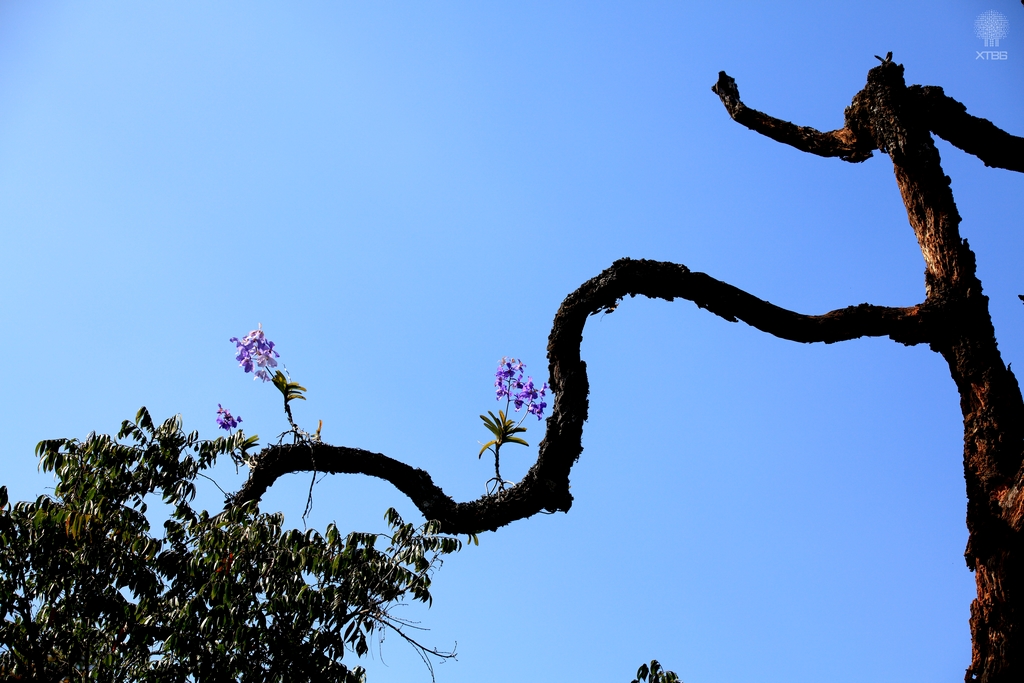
(402, 193)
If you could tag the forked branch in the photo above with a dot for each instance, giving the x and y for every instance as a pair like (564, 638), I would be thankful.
(941, 114)
(899, 120)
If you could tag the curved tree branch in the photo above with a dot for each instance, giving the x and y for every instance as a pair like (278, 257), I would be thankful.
(949, 119)
(846, 143)
(546, 486)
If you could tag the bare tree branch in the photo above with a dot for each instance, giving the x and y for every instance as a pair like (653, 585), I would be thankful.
(844, 143)
(949, 119)
(546, 485)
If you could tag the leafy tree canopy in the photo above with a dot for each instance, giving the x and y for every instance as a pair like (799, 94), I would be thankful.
(88, 591)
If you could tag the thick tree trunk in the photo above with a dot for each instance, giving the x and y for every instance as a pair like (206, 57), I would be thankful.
(888, 116)
(990, 398)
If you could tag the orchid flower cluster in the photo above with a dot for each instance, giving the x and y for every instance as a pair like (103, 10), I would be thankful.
(255, 353)
(518, 394)
(509, 380)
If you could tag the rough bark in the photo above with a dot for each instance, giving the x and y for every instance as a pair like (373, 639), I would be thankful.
(546, 485)
(888, 116)
(843, 143)
(949, 119)
(953, 320)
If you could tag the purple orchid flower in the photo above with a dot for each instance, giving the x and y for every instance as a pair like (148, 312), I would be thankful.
(256, 354)
(225, 420)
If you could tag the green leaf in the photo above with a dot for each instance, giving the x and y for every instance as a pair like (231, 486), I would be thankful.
(491, 427)
(516, 439)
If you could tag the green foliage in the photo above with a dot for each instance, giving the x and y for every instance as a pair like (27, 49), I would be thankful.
(88, 592)
(290, 390)
(503, 430)
(655, 674)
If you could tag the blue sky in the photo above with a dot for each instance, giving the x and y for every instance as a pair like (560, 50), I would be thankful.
(403, 193)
